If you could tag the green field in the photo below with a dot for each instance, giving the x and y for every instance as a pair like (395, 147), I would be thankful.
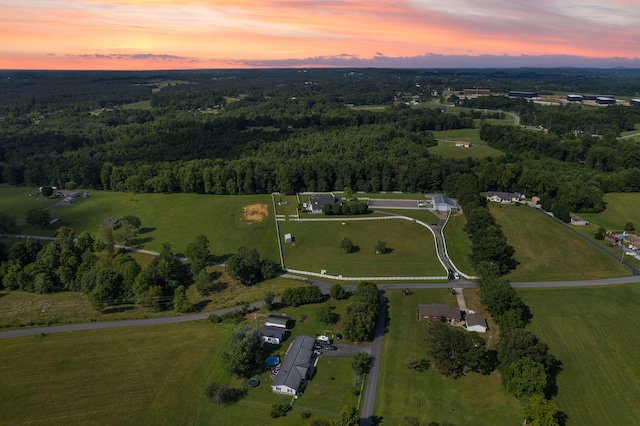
(458, 245)
(177, 219)
(592, 332)
(621, 208)
(18, 200)
(429, 396)
(317, 246)
(447, 144)
(547, 251)
(142, 375)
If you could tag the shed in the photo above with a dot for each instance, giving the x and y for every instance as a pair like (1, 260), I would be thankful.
(443, 204)
(288, 238)
(577, 220)
(435, 312)
(280, 321)
(273, 335)
(476, 322)
(297, 367)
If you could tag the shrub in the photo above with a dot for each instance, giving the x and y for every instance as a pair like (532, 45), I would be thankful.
(279, 410)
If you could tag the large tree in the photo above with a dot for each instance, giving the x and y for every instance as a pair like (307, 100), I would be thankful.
(198, 254)
(243, 352)
(38, 217)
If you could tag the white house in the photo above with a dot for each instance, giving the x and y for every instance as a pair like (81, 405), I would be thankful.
(476, 322)
(503, 197)
(297, 367)
(464, 144)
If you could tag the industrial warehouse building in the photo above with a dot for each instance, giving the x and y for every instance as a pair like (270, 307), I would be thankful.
(634, 102)
(518, 94)
(601, 100)
(575, 98)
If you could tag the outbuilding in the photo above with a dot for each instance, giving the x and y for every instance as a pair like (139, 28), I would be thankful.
(443, 204)
(273, 335)
(577, 220)
(279, 321)
(476, 322)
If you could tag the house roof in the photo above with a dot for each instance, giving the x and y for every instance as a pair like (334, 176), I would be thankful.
(476, 319)
(269, 331)
(320, 200)
(278, 319)
(296, 364)
(441, 199)
(438, 310)
(576, 218)
(503, 195)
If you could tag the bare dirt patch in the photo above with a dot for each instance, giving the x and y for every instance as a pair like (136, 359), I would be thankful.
(255, 212)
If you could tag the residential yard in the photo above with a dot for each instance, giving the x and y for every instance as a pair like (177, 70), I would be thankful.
(142, 375)
(593, 332)
(458, 245)
(621, 208)
(429, 396)
(18, 200)
(317, 247)
(547, 251)
(447, 144)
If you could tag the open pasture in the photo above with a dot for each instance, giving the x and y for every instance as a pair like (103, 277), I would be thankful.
(458, 245)
(228, 221)
(141, 375)
(411, 249)
(621, 208)
(592, 331)
(429, 396)
(18, 200)
(547, 251)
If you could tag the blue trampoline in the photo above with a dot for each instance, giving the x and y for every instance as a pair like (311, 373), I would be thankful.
(272, 361)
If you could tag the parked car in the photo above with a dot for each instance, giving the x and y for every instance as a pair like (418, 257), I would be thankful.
(330, 348)
(451, 275)
(338, 336)
(323, 340)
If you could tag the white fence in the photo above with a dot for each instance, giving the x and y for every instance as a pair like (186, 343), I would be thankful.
(341, 278)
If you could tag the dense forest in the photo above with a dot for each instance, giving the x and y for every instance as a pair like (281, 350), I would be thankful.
(258, 131)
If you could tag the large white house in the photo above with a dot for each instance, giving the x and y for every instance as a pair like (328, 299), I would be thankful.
(297, 367)
(503, 197)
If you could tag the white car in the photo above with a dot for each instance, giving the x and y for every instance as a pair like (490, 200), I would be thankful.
(323, 340)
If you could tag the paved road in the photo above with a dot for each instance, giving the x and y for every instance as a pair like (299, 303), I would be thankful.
(369, 399)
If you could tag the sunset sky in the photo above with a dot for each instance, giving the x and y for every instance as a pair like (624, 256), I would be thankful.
(179, 34)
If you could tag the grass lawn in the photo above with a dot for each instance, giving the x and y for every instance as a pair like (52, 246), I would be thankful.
(458, 245)
(593, 332)
(547, 251)
(142, 375)
(621, 208)
(289, 206)
(178, 218)
(423, 215)
(430, 396)
(18, 200)
(138, 105)
(20, 309)
(317, 246)
(447, 145)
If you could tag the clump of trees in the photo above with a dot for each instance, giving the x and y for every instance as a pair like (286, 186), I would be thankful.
(248, 268)
(244, 352)
(346, 208)
(360, 316)
(296, 296)
(223, 393)
(347, 245)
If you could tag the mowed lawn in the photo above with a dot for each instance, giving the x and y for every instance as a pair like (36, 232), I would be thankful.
(547, 251)
(177, 219)
(317, 246)
(592, 331)
(621, 208)
(142, 375)
(447, 144)
(18, 200)
(458, 245)
(430, 396)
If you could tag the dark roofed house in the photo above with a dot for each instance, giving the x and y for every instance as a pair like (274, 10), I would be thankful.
(316, 203)
(297, 367)
(273, 335)
(280, 321)
(476, 322)
(435, 312)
